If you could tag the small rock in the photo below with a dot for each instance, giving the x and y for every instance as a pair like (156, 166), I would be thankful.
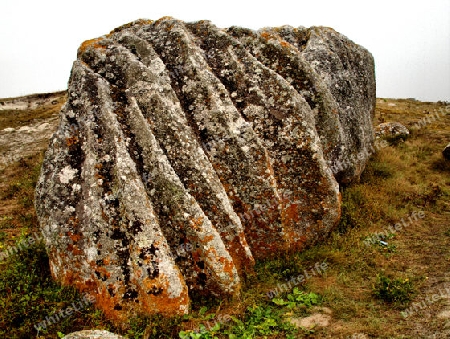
(446, 152)
(444, 314)
(9, 129)
(320, 309)
(93, 334)
(358, 336)
(43, 127)
(25, 129)
(315, 320)
(391, 130)
(391, 104)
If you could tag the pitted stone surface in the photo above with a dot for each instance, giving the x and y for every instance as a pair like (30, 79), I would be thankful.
(185, 151)
(391, 130)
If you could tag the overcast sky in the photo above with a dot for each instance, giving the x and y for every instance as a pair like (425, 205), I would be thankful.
(410, 40)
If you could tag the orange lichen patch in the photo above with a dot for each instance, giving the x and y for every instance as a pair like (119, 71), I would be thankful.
(266, 35)
(300, 244)
(73, 221)
(72, 141)
(107, 260)
(196, 223)
(104, 272)
(74, 249)
(290, 213)
(164, 18)
(242, 262)
(109, 304)
(196, 255)
(228, 266)
(285, 44)
(162, 303)
(207, 239)
(74, 237)
(68, 278)
(94, 43)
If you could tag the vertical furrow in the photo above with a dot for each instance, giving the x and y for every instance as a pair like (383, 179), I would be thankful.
(233, 148)
(149, 271)
(198, 248)
(110, 223)
(149, 83)
(341, 70)
(208, 266)
(285, 125)
(285, 59)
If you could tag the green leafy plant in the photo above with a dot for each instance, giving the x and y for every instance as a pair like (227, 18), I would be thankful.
(203, 333)
(297, 298)
(393, 290)
(28, 295)
(259, 320)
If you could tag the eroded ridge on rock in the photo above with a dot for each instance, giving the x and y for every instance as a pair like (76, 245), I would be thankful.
(185, 152)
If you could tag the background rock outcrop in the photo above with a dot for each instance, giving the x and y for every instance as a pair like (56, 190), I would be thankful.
(185, 152)
(391, 131)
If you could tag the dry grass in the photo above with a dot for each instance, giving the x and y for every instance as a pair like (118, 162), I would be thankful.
(22, 117)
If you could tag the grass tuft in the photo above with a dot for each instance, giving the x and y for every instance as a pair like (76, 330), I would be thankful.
(393, 290)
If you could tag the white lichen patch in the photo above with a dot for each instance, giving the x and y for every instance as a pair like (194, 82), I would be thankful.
(67, 174)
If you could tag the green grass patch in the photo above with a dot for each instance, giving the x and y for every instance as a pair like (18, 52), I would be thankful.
(259, 321)
(393, 290)
(28, 295)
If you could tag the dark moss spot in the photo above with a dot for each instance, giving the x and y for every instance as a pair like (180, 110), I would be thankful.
(202, 277)
(153, 271)
(155, 290)
(130, 294)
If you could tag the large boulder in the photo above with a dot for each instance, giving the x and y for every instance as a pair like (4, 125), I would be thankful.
(185, 151)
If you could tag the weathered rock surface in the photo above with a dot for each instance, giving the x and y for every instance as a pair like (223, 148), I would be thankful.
(391, 130)
(93, 334)
(186, 151)
(40, 112)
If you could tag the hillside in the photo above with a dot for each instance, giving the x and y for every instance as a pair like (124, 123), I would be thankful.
(361, 293)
